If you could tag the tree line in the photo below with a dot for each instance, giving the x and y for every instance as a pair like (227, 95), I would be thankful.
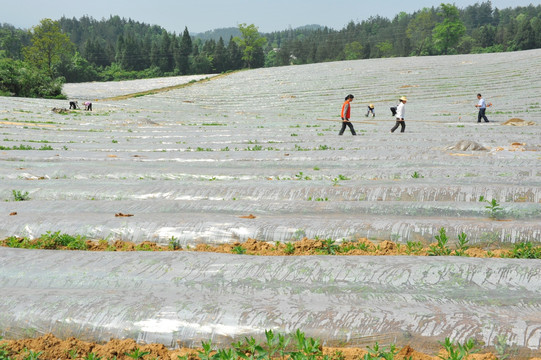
(85, 49)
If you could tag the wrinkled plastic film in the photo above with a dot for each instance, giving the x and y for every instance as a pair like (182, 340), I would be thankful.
(184, 298)
(189, 163)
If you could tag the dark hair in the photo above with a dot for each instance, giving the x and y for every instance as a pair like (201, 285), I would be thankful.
(479, 95)
(349, 97)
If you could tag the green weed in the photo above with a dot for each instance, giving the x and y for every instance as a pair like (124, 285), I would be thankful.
(20, 147)
(20, 196)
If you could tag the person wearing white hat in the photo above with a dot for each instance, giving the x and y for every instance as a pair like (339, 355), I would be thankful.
(400, 113)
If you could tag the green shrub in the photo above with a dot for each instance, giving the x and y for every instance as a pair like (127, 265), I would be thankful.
(440, 249)
(525, 250)
(19, 78)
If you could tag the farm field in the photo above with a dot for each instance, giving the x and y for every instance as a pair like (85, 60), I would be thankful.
(256, 155)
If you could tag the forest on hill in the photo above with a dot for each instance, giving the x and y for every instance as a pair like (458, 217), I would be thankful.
(86, 49)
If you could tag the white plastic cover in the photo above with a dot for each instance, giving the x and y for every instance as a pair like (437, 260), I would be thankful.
(186, 297)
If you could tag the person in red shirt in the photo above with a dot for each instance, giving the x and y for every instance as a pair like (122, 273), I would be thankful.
(346, 111)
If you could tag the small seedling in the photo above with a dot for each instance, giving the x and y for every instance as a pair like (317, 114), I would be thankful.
(458, 351)
(92, 356)
(441, 248)
(32, 355)
(290, 248)
(382, 353)
(525, 250)
(174, 243)
(306, 346)
(413, 247)
(137, 354)
(416, 175)
(329, 247)
(239, 250)
(207, 350)
(462, 245)
(495, 211)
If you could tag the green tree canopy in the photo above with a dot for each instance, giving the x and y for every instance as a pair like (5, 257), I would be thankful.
(353, 50)
(48, 46)
(251, 44)
(447, 34)
(419, 30)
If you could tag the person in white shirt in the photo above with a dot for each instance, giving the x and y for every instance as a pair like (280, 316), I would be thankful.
(482, 105)
(400, 114)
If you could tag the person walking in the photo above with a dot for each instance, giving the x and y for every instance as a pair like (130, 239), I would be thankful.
(482, 105)
(345, 114)
(400, 113)
(371, 109)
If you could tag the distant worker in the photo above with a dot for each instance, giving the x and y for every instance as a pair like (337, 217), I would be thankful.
(345, 114)
(88, 105)
(482, 105)
(400, 113)
(371, 110)
(74, 105)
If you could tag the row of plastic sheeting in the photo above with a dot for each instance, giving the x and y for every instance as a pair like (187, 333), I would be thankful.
(186, 297)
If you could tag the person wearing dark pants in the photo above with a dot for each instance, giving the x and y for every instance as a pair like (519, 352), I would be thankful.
(346, 112)
(482, 105)
(371, 110)
(400, 113)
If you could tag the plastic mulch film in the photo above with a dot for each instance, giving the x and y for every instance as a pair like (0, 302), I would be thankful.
(184, 298)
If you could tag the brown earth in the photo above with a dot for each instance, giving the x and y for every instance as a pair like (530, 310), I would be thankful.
(305, 246)
(52, 347)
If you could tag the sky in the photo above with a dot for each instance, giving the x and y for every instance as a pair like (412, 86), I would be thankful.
(200, 16)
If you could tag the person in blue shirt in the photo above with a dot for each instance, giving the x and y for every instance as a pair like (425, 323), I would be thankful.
(482, 105)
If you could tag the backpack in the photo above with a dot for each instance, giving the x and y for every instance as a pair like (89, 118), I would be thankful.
(393, 110)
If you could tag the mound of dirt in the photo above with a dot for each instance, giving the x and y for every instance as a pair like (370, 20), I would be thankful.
(51, 347)
(465, 145)
(518, 122)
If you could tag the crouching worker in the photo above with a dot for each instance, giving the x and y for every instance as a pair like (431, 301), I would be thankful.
(88, 105)
(346, 111)
(74, 105)
(371, 110)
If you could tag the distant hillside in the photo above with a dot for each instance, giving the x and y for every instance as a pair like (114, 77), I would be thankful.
(227, 33)
(224, 33)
